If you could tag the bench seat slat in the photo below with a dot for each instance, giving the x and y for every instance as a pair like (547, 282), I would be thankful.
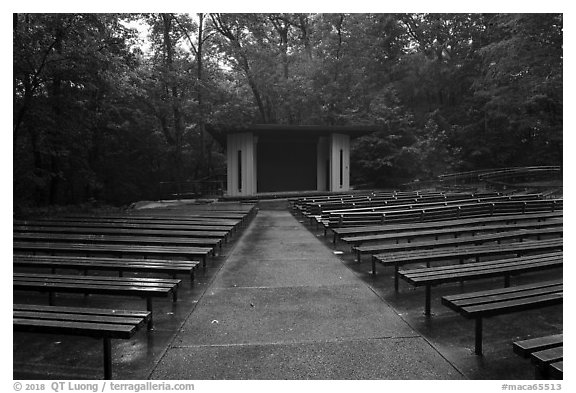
(556, 369)
(525, 347)
(81, 310)
(547, 356)
(103, 263)
(73, 328)
(519, 288)
(137, 280)
(467, 252)
(470, 268)
(452, 231)
(122, 231)
(163, 240)
(97, 289)
(506, 295)
(522, 304)
(183, 227)
(110, 265)
(457, 242)
(95, 282)
(138, 220)
(109, 247)
(474, 272)
(448, 268)
(52, 316)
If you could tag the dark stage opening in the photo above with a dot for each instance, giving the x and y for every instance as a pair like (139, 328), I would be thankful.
(286, 164)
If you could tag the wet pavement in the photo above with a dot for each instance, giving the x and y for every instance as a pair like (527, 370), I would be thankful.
(279, 303)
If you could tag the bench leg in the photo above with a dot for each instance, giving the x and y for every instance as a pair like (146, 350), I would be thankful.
(51, 297)
(478, 337)
(539, 373)
(373, 267)
(396, 283)
(149, 308)
(107, 358)
(427, 300)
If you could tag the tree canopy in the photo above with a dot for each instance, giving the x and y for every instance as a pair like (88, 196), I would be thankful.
(99, 114)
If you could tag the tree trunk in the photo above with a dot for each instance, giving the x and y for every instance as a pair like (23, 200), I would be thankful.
(200, 86)
(242, 61)
(172, 88)
(54, 140)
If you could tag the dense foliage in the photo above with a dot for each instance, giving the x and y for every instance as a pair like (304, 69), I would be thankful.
(101, 114)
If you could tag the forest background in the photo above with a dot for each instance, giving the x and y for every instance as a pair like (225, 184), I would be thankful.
(102, 115)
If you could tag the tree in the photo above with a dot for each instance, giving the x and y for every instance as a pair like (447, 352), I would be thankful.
(63, 65)
(96, 117)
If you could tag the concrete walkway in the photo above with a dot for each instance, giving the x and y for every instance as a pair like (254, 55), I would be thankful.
(283, 306)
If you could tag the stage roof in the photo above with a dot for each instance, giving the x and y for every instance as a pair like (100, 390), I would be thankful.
(219, 132)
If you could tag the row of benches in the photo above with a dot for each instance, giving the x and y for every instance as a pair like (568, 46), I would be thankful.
(514, 237)
(373, 203)
(52, 237)
(529, 218)
(498, 237)
(301, 203)
(427, 202)
(370, 202)
(546, 353)
(416, 213)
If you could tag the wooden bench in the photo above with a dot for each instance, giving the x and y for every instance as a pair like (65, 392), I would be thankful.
(203, 213)
(365, 203)
(120, 265)
(122, 232)
(234, 216)
(147, 288)
(125, 225)
(418, 214)
(426, 203)
(210, 242)
(374, 200)
(191, 253)
(518, 235)
(455, 232)
(396, 228)
(139, 217)
(209, 223)
(368, 203)
(545, 352)
(98, 323)
(423, 203)
(398, 259)
(428, 277)
(485, 304)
